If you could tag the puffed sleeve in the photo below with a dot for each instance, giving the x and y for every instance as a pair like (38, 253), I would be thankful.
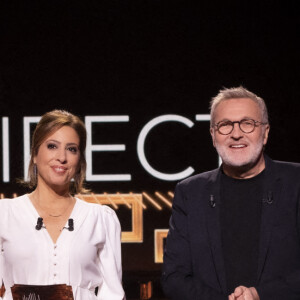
(110, 258)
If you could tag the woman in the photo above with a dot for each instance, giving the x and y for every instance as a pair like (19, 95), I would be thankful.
(50, 237)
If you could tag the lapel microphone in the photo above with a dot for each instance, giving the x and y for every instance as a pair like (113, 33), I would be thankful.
(212, 201)
(39, 225)
(269, 199)
(70, 225)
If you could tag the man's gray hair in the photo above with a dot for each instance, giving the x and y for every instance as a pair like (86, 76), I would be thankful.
(235, 93)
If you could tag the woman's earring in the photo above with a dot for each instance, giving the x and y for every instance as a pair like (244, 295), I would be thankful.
(35, 172)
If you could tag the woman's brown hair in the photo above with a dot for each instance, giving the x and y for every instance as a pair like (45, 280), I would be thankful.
(49, 123)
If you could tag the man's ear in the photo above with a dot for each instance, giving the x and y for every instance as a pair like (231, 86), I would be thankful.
(266, 134)
(212, 133)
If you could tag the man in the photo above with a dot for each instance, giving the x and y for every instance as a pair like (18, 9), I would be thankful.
(235, 231)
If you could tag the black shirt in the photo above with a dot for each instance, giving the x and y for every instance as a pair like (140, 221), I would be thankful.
(240, 219)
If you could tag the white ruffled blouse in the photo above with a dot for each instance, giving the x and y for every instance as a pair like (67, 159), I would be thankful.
(86, 258)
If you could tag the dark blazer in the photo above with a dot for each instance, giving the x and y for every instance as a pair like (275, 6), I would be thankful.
(193, 266)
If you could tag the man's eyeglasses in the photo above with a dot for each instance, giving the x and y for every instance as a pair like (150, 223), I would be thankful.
(246, 126)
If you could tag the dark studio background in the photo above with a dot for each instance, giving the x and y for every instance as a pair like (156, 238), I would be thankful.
(145, 59)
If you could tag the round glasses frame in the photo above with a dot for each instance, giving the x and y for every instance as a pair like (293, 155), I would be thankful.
(245, 125)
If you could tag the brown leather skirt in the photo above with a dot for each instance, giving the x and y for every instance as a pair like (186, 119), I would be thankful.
(42, 292)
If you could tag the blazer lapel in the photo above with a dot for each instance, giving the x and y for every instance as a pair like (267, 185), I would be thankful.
(272, 189)
(213, 227)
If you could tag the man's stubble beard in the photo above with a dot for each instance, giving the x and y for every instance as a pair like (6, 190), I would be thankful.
(233, 160)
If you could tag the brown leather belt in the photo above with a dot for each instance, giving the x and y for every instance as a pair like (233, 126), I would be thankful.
(42, 292)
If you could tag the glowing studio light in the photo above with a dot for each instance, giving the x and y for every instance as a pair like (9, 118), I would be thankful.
(124, 200)
(94, 198)
(140, 202)
(152, 201)
(163, 199)
(171, 194)
(111, 201)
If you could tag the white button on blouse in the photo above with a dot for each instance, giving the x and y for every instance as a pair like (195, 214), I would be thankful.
(86, 258)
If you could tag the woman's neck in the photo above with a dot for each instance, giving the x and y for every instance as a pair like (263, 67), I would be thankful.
(49, 196)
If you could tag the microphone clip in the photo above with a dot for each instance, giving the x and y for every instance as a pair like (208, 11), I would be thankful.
(212, 201)
(70, 225)
(39, 225)
(269, 199)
